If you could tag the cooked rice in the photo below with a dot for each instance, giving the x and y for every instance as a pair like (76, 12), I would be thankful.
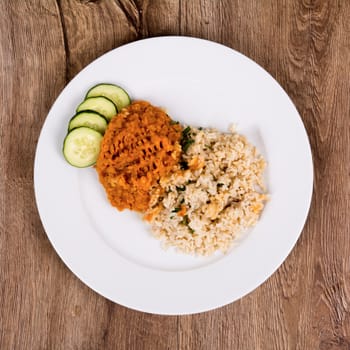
(203, 209)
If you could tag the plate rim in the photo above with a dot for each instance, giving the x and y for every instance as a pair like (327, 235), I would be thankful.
(138, 308)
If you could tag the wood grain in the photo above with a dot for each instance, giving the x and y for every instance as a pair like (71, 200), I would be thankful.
(305, 45)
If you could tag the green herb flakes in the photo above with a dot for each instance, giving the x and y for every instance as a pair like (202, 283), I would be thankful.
(186, 139)
(185, 220)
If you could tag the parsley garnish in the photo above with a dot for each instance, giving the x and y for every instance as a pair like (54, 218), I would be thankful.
(186, 131)
(186, 145)
(186, 140)
(185, 220)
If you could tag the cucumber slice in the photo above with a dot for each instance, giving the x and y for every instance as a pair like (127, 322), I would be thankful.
(92, 120)
(101, 105)
(114, 92)
(81, 147)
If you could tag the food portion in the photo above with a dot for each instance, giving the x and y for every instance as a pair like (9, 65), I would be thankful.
(218, 193)
(199, 189)
(81, 146)
(101, 104)
(113, 92)
(89, 119)
(141, 146)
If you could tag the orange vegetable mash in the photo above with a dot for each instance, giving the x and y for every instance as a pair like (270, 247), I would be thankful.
(140, 145)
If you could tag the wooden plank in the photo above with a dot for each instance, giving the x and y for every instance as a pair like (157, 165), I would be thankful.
(158, 17)
(93, 28)
(32, 75)
(328, 121)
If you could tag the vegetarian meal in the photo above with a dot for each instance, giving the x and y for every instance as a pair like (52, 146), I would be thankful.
(198, 188)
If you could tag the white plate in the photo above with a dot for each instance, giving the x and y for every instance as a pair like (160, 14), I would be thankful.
(200, 83)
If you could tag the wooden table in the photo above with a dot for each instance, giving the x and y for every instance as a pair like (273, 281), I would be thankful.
(305, 45)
